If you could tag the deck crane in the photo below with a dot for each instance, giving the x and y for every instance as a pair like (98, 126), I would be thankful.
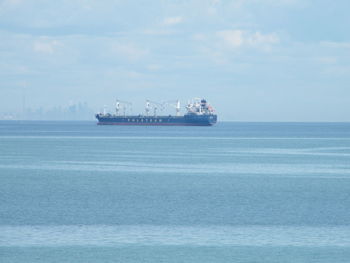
(153, 105)
(174, 104)
(124, 105)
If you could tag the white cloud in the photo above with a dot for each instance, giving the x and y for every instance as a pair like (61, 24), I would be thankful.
(12, 2)
(258, 39)
(336, 44)
(338, 70)
(154, 67)
(157, 32)
(225, 45)
(46, 47)
(130, 51)
(241, 38)
(279, 2)
(233, 38)
(169, 21)
(239, 3)
(199, 37)
(327, 60)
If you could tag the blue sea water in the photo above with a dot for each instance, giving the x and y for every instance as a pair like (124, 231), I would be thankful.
(235, 192)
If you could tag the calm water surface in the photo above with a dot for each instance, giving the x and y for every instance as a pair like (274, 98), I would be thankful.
(235, 192)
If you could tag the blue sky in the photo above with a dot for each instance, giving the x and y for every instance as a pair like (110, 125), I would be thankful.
(254, 60)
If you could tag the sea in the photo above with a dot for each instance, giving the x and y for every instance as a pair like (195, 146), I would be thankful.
(73, 191)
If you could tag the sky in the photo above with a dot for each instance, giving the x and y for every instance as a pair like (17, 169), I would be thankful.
(253, 60)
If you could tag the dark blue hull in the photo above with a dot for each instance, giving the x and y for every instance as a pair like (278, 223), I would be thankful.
(186, 120)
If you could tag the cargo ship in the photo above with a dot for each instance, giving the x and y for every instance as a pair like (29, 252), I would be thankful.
(199, 113)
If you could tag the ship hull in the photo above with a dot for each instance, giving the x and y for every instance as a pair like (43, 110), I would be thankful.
(186, 120)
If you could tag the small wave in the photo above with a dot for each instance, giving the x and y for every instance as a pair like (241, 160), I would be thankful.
(102, 235)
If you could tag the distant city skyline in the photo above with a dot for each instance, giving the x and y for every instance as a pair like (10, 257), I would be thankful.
(253, 60)
(72, 111)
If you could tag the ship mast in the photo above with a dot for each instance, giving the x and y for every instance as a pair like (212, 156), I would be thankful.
(119, 104)
(148, 107)
(175, 104)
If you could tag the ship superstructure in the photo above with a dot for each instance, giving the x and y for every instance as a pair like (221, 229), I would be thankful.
(199, 113)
